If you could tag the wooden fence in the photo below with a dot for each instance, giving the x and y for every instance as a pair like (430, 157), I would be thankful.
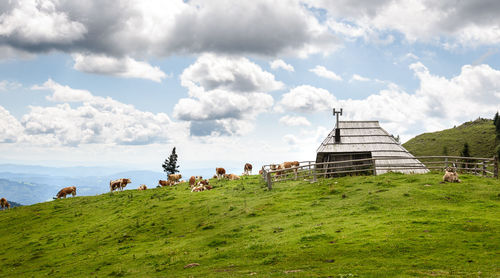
(311, 171)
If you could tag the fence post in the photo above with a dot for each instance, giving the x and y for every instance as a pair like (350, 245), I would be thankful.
(484, 168)
(495, 165)
(269, 181)
(445, 162)
(374, 168)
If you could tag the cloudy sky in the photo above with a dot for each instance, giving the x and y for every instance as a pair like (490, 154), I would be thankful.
(226, 82)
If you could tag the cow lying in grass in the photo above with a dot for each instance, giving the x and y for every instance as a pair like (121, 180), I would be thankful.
(165, 183)
(65, 191)
(232, 177)
(142, 187)
(201, 186)
(4, 204)
(118, 184)
(450, 175)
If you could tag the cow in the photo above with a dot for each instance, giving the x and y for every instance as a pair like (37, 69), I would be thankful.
(247, 169)
(261, 172)
(4, 204)
(450, 175)
(174, 177)
(198, 177)
(165, 183)
(232, 177)
(65, 191)
(220, 172)
(118, 184)
(142, 187)
(192, 181)
(203, 182)
(273, 167)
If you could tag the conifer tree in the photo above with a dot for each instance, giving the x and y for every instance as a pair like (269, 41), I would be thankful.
(170, 165)
(495, 119)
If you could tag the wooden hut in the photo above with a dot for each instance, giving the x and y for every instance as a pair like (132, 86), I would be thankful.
(354, 140)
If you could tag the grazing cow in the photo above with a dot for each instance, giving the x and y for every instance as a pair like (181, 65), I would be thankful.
(174, 177)
(247, 169)
(450, 175)
(220, 172)
(273, 167)
(214, 177)
(4, 204)
(198, 177)
(65, 191)
(142, 187)
(118, 184)
(192, 181)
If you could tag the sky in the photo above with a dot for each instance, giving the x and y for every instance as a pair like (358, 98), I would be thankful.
(120, 83)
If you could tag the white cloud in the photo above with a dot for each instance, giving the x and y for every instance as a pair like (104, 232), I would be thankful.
(122, 67)
(39, 22)
(156, 28)
(63, 93)
(323, 72)
(294, 121)
(308, 99)
(280, 64)
(237, 74)
(10, 128)
(450, 23)
(97, 120)
(8, 85)
(357, 77)
(226, 95)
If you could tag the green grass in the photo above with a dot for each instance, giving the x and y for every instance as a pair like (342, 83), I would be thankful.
(480, 134)
(389, 225)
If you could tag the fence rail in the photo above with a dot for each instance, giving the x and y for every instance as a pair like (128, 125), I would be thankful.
(310, 170)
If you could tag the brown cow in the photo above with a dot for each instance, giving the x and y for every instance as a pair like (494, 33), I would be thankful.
(4, 204)
(142, 187)
(220, 172)
(232, 177)
(65, 191)
(118, 184)
(174, 177)
(261, 172)
(165, 183)
(247, 169)
(192, 181)
(450, 175)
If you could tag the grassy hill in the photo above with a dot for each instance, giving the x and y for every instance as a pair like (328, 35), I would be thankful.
(388, 225)
(480, 134)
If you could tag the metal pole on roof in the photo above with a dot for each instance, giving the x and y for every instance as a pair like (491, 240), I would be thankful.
(337, 113)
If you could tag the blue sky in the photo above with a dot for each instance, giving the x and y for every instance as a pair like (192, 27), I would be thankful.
(122, 82)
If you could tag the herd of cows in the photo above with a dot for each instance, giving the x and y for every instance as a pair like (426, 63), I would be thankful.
(197, 183)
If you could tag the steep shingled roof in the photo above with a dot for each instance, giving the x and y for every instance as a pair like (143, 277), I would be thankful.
(368, 136)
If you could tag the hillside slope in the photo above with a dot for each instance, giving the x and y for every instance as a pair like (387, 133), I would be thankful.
(389, 225)
(480, 134)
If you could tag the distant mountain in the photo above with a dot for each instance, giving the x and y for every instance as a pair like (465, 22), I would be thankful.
(479, 134)
(26, 193)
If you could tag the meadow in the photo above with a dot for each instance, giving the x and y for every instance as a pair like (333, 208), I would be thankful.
(392, 225)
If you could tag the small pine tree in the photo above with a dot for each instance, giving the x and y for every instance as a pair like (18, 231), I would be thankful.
(445, 150)
(465, 151)
(497, 127)
(495, 119)
(170, 165)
